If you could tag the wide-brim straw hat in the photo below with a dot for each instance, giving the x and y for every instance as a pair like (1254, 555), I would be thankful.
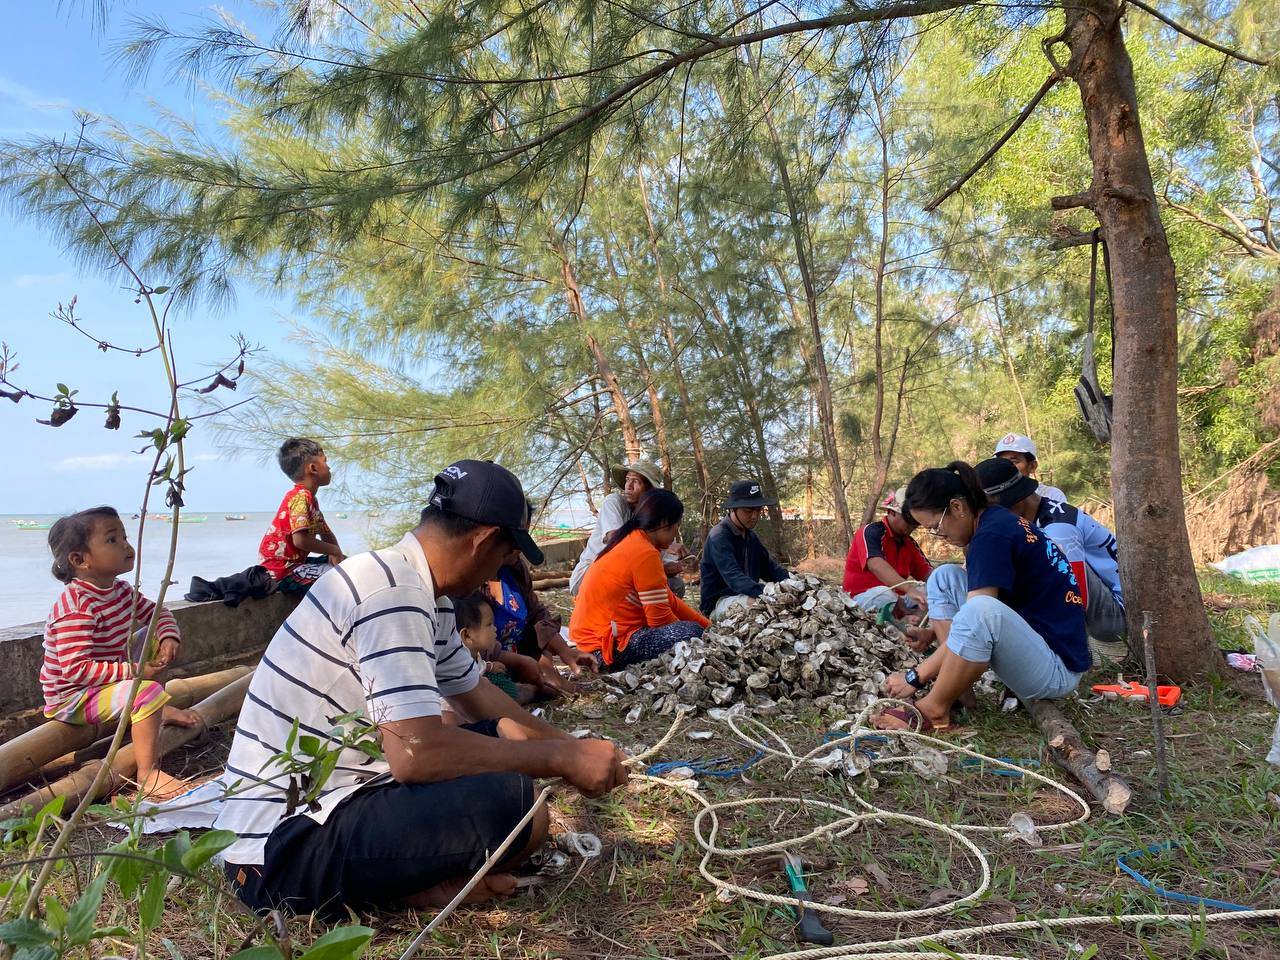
(646, 468)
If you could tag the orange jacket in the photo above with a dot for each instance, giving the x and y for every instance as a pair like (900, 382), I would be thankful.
(625, 590)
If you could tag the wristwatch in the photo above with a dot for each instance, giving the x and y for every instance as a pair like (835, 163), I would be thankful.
(913, 678)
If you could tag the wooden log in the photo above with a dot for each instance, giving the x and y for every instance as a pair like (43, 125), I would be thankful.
(552, 583)
(1067, 749)
(23, 758)
(220, 706)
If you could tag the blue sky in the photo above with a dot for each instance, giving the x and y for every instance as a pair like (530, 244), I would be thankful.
(58, 60)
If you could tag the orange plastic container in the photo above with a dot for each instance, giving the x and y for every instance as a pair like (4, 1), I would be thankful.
(1165, 696)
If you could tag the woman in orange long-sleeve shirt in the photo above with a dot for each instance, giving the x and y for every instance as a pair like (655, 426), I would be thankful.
(625, 613)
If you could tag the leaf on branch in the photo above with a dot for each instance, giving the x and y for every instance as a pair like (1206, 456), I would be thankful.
(344, 943)
(218, 381)
(60, 415)
(84, 911)
(14, 395)
(174, 497)
(161, 289)
(113, 413)
(151, 907)
(24, 933)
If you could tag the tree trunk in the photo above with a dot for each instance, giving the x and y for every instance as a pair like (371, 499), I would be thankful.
(1002, 339)
(826, 409)
(879, 462)
(1146, 468)
(707, 499)
(630, 438)
(810, 537)
(586, 490)
(800, 239)
(650, 384)
(747, 393)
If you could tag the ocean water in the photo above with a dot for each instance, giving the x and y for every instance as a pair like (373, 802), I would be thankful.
(211, 549)
(215, 548)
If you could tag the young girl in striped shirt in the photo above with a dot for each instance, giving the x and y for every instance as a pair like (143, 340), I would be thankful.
(88, 666)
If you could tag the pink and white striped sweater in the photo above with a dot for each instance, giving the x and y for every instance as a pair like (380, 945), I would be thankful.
(86, 638)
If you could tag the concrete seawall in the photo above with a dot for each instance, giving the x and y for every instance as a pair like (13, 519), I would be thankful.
(213, 635)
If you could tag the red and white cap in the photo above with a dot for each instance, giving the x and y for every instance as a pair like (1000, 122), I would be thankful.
(892, 503)
(1016, 443)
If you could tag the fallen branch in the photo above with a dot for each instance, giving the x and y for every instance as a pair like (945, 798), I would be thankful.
(552, 583)
(23, 758)
(221, 706)
(1068, 751)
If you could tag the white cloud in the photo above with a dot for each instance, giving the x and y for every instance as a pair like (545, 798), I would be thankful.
(119, 461)
(34, 281)
(99, 461)
(26, 97)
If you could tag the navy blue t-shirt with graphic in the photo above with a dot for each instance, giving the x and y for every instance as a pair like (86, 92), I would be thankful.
(1034, 578)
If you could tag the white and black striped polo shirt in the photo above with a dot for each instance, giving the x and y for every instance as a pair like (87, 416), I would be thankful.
(371, 637)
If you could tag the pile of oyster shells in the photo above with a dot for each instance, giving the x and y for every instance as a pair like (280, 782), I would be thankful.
(802, 642)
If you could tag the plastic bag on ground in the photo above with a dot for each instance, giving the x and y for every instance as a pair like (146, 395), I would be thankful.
(1256, 565)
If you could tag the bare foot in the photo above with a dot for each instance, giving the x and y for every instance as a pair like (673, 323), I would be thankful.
(493, 885)
(158, 785)
(179, 717)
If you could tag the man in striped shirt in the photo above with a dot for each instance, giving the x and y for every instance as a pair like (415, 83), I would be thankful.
(375, 637)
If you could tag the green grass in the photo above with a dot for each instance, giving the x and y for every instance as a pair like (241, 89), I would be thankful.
(1229, 601)
(644, 896)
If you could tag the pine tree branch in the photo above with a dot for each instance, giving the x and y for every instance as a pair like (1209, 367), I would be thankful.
(1192, 35)
(1022, 118)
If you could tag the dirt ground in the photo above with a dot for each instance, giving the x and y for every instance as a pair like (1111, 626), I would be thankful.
(644, 896)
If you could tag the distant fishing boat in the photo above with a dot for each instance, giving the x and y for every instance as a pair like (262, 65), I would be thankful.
(32, 525)
(340, 516)
(183, 519)
(235, 516)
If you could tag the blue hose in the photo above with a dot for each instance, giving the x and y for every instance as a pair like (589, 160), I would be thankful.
(715, 767)
(978, 765)
(1173, 895)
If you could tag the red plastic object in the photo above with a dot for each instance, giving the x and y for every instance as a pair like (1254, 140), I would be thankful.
(1165, 696)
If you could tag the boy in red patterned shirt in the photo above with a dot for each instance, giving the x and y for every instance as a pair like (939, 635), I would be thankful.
(299, 528)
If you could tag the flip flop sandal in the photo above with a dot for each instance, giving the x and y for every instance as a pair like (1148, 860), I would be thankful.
(911, 721)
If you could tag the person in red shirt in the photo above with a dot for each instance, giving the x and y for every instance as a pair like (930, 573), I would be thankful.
(298, 528)
(884, 559)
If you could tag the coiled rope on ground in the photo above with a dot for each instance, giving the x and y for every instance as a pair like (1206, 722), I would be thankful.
(774, 746)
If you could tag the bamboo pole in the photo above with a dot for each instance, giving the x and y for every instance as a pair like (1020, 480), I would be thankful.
(23, 757)
(221, 705)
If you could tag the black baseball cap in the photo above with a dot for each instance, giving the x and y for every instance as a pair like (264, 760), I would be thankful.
(487, 493)
(1003, 483)
(747, 493)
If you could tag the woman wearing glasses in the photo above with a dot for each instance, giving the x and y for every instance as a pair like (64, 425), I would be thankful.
(1014, 606)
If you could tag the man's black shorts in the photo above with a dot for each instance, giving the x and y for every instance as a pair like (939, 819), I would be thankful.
(384, 843)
